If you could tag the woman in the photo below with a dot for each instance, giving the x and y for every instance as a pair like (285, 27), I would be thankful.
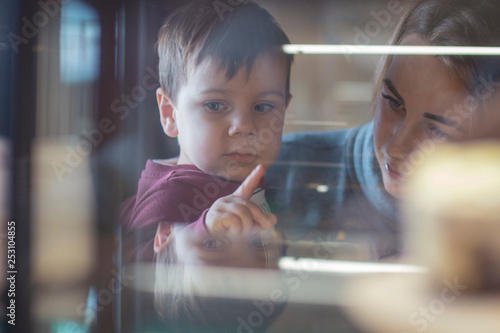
(349, 182)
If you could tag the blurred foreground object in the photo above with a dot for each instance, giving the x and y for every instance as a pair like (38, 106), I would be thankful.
(453, 229)
(63, 243)
(453, 216)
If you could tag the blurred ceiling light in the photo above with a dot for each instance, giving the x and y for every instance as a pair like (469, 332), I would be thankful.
(388, 49)
(322, 188)
(317, 123)
(345, 267)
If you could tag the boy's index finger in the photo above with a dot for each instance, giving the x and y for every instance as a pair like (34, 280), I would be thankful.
(246, 189)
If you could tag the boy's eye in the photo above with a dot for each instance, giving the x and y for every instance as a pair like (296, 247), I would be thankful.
(213, 243)
(263, 107)
(215, 106)
(258, 242)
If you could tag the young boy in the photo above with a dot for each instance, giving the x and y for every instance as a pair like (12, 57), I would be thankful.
(224, 90)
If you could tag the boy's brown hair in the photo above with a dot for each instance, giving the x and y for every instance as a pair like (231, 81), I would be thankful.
(234, 35)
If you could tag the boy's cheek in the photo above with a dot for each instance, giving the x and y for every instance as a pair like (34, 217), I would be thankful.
(272, 154)
(273, 124)
(276, 125)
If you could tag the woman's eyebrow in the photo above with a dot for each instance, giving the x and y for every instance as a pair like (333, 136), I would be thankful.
(390, 86)
(443, 120)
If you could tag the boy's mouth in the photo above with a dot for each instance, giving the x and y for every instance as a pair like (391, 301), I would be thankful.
(241, 157)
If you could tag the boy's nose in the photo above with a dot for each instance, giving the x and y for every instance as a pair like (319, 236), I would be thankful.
(242, 123)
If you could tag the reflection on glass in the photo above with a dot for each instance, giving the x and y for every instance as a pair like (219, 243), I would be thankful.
(195, 246)
(80, 35)
(215, 283)
(453, 226)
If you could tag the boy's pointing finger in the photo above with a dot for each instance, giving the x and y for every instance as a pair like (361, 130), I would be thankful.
(246, 189)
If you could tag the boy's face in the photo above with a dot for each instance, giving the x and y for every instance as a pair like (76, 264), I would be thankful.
(227, 127)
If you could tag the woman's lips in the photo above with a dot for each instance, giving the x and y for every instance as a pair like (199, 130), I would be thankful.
(393, 173)
(241, 158)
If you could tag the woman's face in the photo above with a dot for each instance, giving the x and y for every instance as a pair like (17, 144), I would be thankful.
(487, 125)
(420, 105)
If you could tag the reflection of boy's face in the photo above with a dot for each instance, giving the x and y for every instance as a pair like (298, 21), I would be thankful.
(227, 127)
(195, 246)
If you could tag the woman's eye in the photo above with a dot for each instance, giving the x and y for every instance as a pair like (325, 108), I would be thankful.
(436, 133)
(213, 243)
(215, 106)
(393, 103)
(263, 107)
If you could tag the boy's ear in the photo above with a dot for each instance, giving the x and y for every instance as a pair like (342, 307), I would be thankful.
(167, 113)
(162, 236)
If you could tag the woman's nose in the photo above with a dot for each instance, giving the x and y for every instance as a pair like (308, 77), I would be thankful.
(242, 123)
(403, 141)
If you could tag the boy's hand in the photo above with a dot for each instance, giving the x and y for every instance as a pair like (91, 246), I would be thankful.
(235, 214)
